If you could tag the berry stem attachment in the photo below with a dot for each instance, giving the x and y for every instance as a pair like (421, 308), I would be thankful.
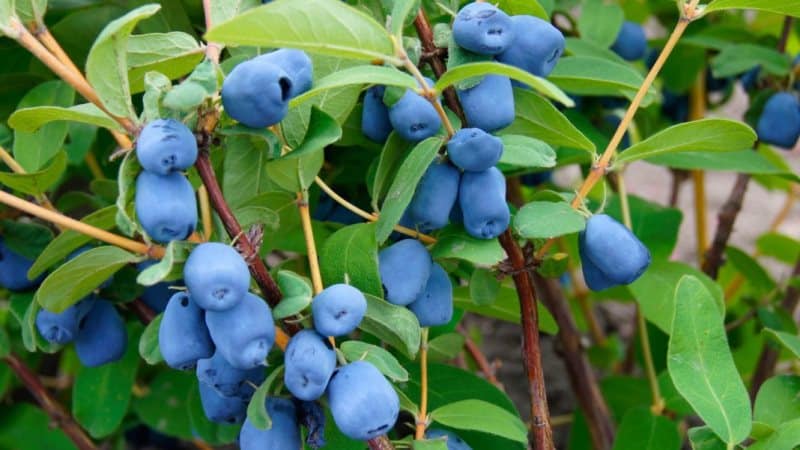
(422, 418)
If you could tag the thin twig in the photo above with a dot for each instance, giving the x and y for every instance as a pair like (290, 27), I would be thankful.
(422, 417)
(480, 359)
(697, 111)
(205, 213)
(57, 413)
(311, 246)
(425, 34)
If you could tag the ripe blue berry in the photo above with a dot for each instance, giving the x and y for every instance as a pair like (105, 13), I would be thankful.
(102, 337)
(375, 123)
(243, 334)
(434, 197)
(257, 93)
(404, 268)
(610, 253)
(165, 206)
(489, 105)
(182, 336)
(482, 196)
(62, 328)
(221, 409)
(217, 276)
(414, 117)
(228, 380)
(338, 310)
(474, 150)
(779, 123)
(631, 42)
(165, 146)
(14, 270)
(284, 433)
(434, 306)
(537, 46)
(363, 403)
(310, 362)
(296, 64)
(483, 28)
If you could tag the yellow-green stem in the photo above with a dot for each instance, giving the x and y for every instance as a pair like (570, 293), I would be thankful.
(311, 247)
(422, 418)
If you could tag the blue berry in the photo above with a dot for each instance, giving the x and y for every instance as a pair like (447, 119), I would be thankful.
(474, 150)
(182, 336)
(102, 337)
(375, 123)
(483, 28)
(310, 362)
(453, 441)
(257, 93)
(414, 117)
(165, 146)
(14, 270)
(611, 254)
(165, 206)
(338, 310)
(363, 403)
(779, 123)
(62, 328)
(631, 42)
(404, 267)
(482, 196)
(284, 433)
(221, 409)
(434, 197)
(243, 334)
(217, 276)
(537, 46)
(434, 306)
(296, 64)
(228, 380)
(489, 105)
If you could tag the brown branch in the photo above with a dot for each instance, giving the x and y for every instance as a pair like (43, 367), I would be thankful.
(531, 355)
(583, 380)
(258, 269)
(142, 311)
(380, 443)
(726, 219)
(54, 410)
(425, 33)
(480, 359)
(769, 354)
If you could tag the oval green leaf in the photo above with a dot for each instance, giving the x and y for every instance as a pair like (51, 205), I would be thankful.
(37, 183)
(395, 325)
(545, 220)
(479, 415)
(31, 119)
(350, 255)
(785, 7)
(590, 75)
(365, 74)
(380, 358)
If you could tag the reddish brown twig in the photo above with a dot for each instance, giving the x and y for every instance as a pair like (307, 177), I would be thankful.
(425, 33)
(480, 359)
(579, 370)
(531, 355)
(142, 311)
(54, 410)
(769, 354)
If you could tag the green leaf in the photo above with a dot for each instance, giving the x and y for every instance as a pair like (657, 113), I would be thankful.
(164, 406)
(581, 47)
(323, 130)
(505, 307)
(126, 185)
(32, 119)
(701, 365)
(317, 26)
(777, 401)
(779, 246)
(5, 343)
(37, 183)
(538, 118)
(405, 183)
(170, 267)
(707, 135)
(785, 436)
(482, 416)
(350, 255)
(173, 54)
(106, 65)
(78, 277)
(483, 286)
(245, 168)
(785, 7)
(297, 294)
(430, 444)
(295, 174)
(31, 338)
(362, 74)
(33, 150)
(391, 157)
(222, 11)
(454, 242)
(523, 7)
(760, 280)
(257, 408)
(148, 343)
(523, 151)
(477, 69)
(788, 341)
(194, 90)
(395, 325)
(655, 290)
(401, 11)
(26, 427)
(69, 241)
(600, 22)
(544, 220)
(589, 75)
(445, 347)
(703, 438)
(641, 430)
(101, 395)
(448, 384)
(743, 161)
(740, 58)
(380, 358)
(31, 11)
(25, 238)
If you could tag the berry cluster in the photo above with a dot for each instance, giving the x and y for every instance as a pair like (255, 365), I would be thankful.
(93, 324)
